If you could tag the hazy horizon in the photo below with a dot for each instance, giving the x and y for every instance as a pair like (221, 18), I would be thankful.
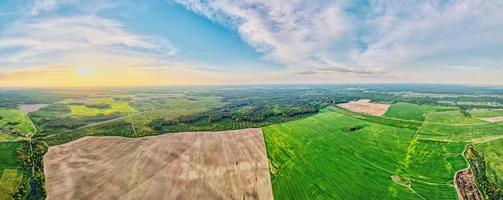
(74, 43)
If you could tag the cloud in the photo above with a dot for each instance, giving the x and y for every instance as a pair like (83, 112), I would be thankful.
(308, 72)
(350, 70)
(291, 32)
(48, 5)
(38, 37)
(439, 33)
(365, 37)
(31, 73)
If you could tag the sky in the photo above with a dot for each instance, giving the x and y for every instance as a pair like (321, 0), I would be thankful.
(94, 43)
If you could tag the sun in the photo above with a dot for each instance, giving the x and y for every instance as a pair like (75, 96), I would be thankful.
(84, 71)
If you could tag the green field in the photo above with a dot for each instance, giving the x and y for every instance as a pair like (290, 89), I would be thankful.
(451, 117)
(336, 155)
(493, 154)
(487, 113)
(17, 121)
(115, 107)
(410, 111)
(476, 133)
(6, 136)
(11, 174)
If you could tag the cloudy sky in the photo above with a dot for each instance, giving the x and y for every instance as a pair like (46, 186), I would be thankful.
(61, 43)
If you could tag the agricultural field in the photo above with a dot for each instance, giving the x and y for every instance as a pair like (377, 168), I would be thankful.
(314, 157)
(487, 113)
(451, 117)
(410, 111)
(16, 122)
(212, 165)
(315, 149)
(476, 133)
(11, 173)
(104, 106)
(7, 136)
(364, 106)
(493, 154)
(31, 107)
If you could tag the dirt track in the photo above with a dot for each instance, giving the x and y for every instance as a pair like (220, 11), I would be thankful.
(364, 106)
(217, 165)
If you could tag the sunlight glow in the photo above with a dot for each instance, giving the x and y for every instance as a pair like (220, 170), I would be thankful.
(85, 71)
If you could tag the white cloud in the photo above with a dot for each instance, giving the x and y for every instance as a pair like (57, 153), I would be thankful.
(293, 32)
(48, 5)
(419, 31)
(29, 38)
(380, 38)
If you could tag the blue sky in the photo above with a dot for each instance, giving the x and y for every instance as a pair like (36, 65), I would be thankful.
(178, 42)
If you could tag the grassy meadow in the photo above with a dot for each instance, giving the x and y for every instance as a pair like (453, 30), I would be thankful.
(16, 120)
(10, 170)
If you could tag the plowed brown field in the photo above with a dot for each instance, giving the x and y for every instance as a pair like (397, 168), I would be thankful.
(212, 165)
(364, 106)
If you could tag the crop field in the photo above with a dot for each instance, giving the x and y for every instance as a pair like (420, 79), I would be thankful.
(487, 113)
(16, 120)
(9, 181)
(211, 165)
(6, 136)
(451, 117)
(364, 106)
(113, 107)
(476, 133)
(368, 157)
(410, 111)
(335, 156)
(493, 154)
(10, 173)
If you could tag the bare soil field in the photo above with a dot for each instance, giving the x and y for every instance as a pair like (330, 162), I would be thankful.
(210, 165)
(364, 106)
(493, 119)
(465, 185)
(31, 107)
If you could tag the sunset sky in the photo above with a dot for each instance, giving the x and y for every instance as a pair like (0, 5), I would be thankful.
(81, 43)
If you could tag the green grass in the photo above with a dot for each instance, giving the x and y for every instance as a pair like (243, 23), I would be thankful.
(395, 122)
(24, 124)
(10, 169)
(487, 113)
(115, 107)
(321, 158)
(493, 154)
(451, 117)
(462, 133)
(410, 111)
(6, 136)
(9, 181)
